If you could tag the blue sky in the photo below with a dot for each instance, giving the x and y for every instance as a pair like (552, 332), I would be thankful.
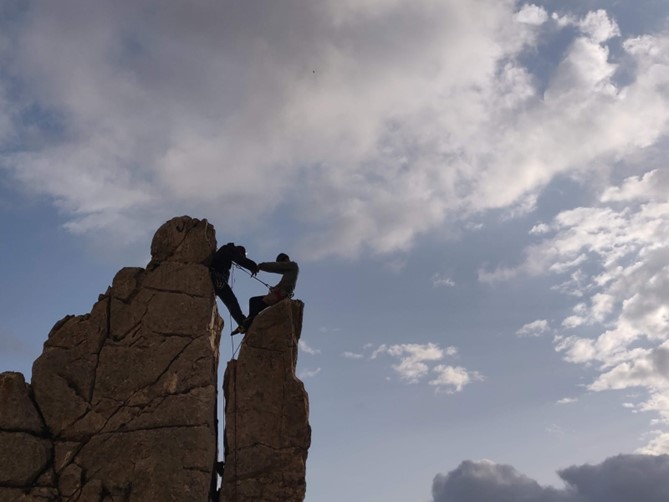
(475, 192)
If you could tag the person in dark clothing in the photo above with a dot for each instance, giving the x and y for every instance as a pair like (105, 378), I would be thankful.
(284, 289)
(220, 274)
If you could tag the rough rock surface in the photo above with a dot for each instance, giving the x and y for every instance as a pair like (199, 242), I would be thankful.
(122, 405)
(267, 433)
(25, 450)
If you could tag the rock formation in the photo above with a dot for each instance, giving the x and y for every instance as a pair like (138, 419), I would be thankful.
(123, 400)
(122, 403)
(26, 453)
(267, 432)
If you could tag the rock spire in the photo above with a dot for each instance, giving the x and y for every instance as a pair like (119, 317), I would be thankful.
(122, 404)
(267, 432)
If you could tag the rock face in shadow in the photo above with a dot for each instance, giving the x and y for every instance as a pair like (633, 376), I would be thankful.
(122, 403)
(267, 433)
(25, 450)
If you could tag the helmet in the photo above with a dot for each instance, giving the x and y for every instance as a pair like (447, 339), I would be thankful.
(282, 257)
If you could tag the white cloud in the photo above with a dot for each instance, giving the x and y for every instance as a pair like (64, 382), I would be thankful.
(195, 109)
(647, 187)
(657, 446)
(417, 361)
(534, 328)
(452, 379)
(567, 400)
(648, 368)
(573, 321)
(623, 282)
(352, 355)
(309, 373)
(599, 26)
(532, 14)
(307, 349)
(441, 281)
(540, 228)
(413, 358)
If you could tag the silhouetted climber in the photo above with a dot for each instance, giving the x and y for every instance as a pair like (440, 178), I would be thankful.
(284, 289)
(220, 274)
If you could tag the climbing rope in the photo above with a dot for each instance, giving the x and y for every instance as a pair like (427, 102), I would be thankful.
(232, 342)
(234, 411)
(232, 287)
(252, 276)
(234, 401)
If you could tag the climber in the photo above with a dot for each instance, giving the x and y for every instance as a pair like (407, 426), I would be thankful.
(284, 289)
(220, 273)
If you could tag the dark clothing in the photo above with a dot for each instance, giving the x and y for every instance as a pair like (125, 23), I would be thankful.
(256, 305)
(220, 274)
(224, 257)
(227, 296)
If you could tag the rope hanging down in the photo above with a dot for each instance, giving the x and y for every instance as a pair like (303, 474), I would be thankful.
(232, 342)
(233, 351)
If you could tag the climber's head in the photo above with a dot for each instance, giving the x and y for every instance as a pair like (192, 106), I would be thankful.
(282, 257)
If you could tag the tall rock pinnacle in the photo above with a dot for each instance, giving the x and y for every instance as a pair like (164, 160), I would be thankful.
(127, 393)
(267, 433)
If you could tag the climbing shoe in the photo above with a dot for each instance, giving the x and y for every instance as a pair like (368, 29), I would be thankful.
(240, 329)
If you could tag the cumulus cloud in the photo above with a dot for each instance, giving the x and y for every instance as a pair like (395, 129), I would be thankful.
(485, 480)
(532, 14)
(597, 25)
(452, 379)
(567, 400)
(657, 446)
(307, 349)
(615, 257)
(418, 362)
(367, 123)
(414, 358)
(534, 328)
(624, 478)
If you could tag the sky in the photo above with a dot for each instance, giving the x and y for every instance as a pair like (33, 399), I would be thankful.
(476, 193)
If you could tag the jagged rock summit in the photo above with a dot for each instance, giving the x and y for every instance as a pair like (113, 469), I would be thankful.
(122, 402)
